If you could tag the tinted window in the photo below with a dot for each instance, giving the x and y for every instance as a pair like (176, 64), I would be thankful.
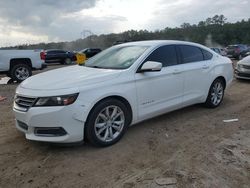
(55, 51)
(232, 47)
(207, 55)
(96, 50)
(190, 54)
(165, 55)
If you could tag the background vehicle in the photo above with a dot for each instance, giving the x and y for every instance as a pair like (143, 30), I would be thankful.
(220, 51)
(18, 64)
(237, 51)
(80, 58)
(58, 56)
(122, 85)
(242, 69)
(90, 52)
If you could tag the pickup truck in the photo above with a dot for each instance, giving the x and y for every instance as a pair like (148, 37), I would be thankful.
(18, 64)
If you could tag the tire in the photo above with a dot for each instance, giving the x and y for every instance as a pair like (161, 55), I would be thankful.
(20, 72)
(107, 123)
(67, 61)
(215, 94)
(8, 74)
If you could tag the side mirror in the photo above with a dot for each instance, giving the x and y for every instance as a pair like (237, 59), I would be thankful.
(151, 66)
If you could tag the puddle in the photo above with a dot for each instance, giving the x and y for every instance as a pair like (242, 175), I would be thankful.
(5, 80)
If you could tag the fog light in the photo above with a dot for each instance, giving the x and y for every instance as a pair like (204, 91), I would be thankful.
(49, 131)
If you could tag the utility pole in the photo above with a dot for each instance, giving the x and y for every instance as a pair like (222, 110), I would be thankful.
(86, 33)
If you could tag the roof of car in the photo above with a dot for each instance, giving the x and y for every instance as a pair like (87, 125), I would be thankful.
(159, 42)
(49, 50)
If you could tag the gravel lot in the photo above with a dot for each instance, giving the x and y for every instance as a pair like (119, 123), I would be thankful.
(192, 145)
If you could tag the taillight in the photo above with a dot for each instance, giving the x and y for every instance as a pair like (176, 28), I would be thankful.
(237, 50)
(42, 55)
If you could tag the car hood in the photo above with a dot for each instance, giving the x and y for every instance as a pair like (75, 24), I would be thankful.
(69, 77)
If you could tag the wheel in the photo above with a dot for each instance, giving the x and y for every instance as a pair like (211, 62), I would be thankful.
(107, 123)
(67, 61)
(20, 72)
(216, 94)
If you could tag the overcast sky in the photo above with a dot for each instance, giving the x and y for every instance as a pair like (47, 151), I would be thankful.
(33, 21)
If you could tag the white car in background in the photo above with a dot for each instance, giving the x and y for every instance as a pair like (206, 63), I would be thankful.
(118, 87)
(242, 69)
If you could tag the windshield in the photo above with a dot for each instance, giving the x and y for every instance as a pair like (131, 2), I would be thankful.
(232, 47)
(82, 51)
(119, 57)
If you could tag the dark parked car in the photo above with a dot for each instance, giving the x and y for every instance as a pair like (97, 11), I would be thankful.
(58, 56)
(237, 51)
(90, 52)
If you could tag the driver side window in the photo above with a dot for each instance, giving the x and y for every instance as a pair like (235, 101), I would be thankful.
(165, 55)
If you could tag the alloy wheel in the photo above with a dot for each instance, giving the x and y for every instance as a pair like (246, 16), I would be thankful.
(217, 93)
(22, 73)
(109, 123)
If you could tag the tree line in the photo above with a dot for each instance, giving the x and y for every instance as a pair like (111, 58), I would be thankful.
(214, 31)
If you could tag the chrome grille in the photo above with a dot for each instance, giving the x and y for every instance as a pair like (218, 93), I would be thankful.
(246, 66)
(23, 103)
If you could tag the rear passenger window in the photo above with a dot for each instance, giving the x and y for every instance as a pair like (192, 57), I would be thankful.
(191, 54)
(165, 55)
(207, 55)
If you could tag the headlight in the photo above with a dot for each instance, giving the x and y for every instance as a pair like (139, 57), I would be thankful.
(57, 100)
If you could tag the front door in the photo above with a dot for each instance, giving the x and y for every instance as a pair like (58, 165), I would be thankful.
(162, 91)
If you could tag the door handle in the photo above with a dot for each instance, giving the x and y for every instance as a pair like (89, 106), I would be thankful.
(205, 67)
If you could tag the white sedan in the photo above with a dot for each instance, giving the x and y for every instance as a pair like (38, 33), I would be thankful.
(121, 86)
(242, 69)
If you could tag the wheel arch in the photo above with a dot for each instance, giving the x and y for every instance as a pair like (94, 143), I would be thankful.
(119, 98)
(223, 80)
(16, 61)
(212, 80)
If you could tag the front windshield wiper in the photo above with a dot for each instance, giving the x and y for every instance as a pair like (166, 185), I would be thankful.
(97, 67)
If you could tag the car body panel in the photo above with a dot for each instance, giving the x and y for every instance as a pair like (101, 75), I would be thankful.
(197, 76)
(74, 76)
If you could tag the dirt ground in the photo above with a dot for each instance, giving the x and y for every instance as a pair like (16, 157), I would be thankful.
(192, 145)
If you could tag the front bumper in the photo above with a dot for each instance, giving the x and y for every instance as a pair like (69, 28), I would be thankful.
(44, 65)
(51, 124)
(242, 74)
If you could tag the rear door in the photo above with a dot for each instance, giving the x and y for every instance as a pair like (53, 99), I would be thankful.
(162, 91)
(196, 66)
